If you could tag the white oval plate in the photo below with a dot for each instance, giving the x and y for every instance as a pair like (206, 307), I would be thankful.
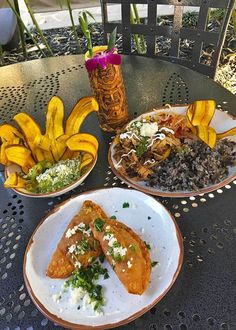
(221, 122)
(160, 231)
(13, 168)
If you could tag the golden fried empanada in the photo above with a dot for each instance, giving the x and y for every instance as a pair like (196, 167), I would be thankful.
(126, 252)
(77, 247)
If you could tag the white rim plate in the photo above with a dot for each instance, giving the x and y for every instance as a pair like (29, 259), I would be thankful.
(221, 122)
(145, 216)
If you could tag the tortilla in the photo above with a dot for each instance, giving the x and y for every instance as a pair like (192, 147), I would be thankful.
(126, 253)
(77, 246)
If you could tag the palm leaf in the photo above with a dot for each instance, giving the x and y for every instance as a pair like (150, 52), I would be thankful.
(112, 39)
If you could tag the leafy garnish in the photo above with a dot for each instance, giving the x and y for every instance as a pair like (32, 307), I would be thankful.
(154, 263)
(85, 278)
(95, 245)
(101, 257)
(113, 217)
(112, 39)
(85, 244)
(125, 205)
(133, 247)
(142, 146)
(83, 21)
(98, 224)
(147, 245)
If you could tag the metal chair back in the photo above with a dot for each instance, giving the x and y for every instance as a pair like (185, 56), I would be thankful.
(198, 37)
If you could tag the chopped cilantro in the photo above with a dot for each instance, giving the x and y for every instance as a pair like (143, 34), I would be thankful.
(113, 217)
(85, 244)
(142, 146)
(125, 205)
(133, 247)
(95, 245)
(85, 278)
(117, 257)
(91, 259)
(98, 224)
(154, 263)
(101, 257)
(147, 245)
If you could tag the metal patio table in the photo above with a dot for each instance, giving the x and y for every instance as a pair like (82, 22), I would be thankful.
(204, 295)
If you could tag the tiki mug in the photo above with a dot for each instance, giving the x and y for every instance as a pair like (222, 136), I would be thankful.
(105, 76)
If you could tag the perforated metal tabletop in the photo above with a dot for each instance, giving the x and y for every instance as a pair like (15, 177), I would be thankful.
(204, 295)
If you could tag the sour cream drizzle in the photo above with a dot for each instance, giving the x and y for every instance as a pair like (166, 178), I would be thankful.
(124, 155)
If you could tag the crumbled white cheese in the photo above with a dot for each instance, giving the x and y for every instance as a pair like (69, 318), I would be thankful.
(69, 232)
(131, 258)
(79, 250)
(148, 129)
(88, 302)
(76, 295)
(87, 232)
(80, 227)
(71, 248)
(107, 236)
(123, 270)
(129, 264)
(119, 251)
(111, 241)
(77, 264)
(108, 227)
(56, 297)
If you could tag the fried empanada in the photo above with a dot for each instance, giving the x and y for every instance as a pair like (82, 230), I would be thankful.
(77, 247)
(126, 253)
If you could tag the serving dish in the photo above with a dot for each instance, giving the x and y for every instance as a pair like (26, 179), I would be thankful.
(47, 164)
(221, 122)
(147, 217)
(13, 168)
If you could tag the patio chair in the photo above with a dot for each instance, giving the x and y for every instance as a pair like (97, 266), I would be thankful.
(176, 34)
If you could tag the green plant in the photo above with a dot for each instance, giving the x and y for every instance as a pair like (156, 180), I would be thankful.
(83, 21)
(25, 27)
(37, 27)
(112, 39)
(21, 30)
(138, 40)
(73, 26)
(138, 21)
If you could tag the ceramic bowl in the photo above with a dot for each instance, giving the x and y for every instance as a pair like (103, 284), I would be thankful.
(15, 168)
